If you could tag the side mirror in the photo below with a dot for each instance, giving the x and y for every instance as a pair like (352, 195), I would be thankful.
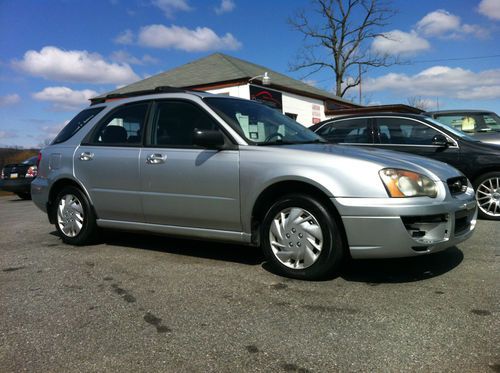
(208, 139)
(440, 140)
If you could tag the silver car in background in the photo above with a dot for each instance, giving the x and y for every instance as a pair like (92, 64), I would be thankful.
(209, 167)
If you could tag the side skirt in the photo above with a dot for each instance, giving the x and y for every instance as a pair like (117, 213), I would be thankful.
(172, 230)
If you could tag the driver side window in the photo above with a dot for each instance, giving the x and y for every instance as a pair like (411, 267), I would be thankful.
(175, 122)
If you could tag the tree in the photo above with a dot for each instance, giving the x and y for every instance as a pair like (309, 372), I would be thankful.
(419, 103)
(347, 27)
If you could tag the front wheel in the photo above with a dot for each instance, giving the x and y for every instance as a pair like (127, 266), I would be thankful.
(75, 219)
(301, 239)
(487, 188)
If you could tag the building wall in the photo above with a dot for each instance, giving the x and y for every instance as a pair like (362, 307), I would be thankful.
(306, 108)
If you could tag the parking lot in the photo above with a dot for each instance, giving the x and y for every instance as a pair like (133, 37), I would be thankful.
(145, 303)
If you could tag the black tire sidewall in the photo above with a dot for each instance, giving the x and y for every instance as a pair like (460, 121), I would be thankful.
(479, 181)
(89, 225)
(332, 252)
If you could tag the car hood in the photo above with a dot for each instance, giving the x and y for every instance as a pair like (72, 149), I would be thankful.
(488, 137)
(436, 170)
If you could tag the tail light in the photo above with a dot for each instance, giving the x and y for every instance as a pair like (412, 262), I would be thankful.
(38, 160)
(32, 171)
(2, 174)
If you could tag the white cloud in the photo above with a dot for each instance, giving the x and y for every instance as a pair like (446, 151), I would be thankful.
(9, 100)
(182, 38)
(122, 56)
(125, 37)
(399, 42)
(490, 8)
(225, 6)
(74, 66)
(169, 7)
(440, 81)
(443, 24)
(64, 98)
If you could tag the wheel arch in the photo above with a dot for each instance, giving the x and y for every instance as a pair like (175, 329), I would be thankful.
(272, 192)
(56, 187)
(483, 171)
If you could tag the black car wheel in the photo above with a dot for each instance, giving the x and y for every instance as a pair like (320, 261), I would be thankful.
(487, 188)
(75, 218)
(301, 239)
(25, 196)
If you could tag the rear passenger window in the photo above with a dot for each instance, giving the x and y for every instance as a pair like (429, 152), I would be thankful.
(400, 131)
(175, 122)
(123, 127)
(347, 131)
(76, 124)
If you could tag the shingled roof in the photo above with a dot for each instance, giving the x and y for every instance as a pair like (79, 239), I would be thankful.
(219, 68)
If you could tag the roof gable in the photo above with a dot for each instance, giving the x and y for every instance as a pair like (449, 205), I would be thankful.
(217, 68)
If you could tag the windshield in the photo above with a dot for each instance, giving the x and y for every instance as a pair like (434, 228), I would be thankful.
(471, 122)
(451, 129)
(259, 124)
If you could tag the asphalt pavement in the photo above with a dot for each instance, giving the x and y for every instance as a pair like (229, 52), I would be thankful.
(143, 303)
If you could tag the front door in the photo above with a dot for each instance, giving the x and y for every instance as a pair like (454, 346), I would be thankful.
(412, 136)
(182, 184)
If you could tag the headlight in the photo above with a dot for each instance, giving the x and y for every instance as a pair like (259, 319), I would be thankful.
(402, 183)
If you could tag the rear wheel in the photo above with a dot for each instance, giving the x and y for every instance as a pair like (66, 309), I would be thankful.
(487, 189)
(75, 219)
(301, 239)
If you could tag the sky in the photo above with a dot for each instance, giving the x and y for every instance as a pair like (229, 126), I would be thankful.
(56, 54)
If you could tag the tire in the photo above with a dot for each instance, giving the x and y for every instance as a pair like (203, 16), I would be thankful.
(74, 217)
(297, 221)
(25, 196)
(487, 189)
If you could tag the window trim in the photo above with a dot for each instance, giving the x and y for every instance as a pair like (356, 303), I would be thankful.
(87, 141)
(230, 143)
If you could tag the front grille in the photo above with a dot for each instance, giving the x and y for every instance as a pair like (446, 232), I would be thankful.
(457, 185)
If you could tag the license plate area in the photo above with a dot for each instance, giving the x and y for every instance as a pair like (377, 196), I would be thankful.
(14, 175)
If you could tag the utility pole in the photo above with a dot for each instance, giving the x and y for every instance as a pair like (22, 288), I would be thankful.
(359, 74)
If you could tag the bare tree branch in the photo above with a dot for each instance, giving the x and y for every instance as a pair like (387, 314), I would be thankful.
(342, 39)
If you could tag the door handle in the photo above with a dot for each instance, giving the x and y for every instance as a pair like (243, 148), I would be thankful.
(156, 158)
(86, 156)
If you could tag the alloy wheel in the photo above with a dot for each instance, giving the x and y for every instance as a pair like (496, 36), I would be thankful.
(488, 196)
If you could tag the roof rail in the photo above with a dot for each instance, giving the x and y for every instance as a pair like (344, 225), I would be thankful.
(156, 90)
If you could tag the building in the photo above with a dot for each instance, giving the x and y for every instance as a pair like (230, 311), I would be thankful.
(223, 74)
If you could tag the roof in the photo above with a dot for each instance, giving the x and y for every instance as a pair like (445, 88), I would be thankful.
(393, 108)
(218, 68)
(457, 111)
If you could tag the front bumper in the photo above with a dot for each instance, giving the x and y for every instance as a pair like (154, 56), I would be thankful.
(20, 185)
(402, 227)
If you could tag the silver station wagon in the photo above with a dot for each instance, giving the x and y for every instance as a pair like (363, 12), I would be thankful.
(210, 167)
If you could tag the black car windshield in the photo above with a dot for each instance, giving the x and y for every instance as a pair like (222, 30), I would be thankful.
(451, 129)
(260, 124)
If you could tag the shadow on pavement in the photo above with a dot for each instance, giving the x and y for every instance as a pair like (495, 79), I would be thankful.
(379, 271)
(202, 249)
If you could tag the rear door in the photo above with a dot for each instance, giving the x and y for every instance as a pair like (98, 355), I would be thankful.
(107, 163)
(349, 131)
(184, 185)
(412, 136)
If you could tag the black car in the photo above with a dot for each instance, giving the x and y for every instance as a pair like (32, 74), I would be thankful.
(483, 125)
(422, 135)
(17, 178)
